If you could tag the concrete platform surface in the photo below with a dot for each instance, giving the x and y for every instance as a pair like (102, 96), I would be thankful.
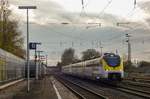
(10, 89)
(40, 89)
(46, 88)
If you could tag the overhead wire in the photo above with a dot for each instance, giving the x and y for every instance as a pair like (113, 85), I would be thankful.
(100, 14)
(134, 4)
(131, 13)
(105, 7)
(83, 7)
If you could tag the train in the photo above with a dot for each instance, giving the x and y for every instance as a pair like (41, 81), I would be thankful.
(11, 66)
(108, 66)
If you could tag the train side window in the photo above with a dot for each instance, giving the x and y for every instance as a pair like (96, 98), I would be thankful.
(91, 65)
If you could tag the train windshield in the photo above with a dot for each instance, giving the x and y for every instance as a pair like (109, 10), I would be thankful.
(112, 59)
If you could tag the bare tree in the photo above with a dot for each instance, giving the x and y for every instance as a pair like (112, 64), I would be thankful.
(90, 54)
(68, 56)
(10, 37)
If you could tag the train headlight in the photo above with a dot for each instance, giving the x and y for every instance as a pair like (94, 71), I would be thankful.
(97, 77)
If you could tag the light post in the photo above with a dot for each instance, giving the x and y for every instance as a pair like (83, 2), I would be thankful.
(27, 58)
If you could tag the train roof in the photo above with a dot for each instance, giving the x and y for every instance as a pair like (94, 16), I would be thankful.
(87, 61)
(91, 61)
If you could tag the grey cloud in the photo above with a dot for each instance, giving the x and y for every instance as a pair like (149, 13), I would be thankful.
(46, 9)
(145, 6)
(148, 21)
(49, 11)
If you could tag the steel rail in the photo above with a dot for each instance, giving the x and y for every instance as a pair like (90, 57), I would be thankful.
(86, 89)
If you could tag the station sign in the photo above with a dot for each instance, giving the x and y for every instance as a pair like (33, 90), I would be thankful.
(32, 46)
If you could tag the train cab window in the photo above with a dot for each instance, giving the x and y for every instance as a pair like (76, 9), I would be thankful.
(112, 59)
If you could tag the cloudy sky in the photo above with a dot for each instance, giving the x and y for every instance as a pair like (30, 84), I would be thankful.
(46, 27)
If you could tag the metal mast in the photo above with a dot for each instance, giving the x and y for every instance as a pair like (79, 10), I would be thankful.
(129, 48)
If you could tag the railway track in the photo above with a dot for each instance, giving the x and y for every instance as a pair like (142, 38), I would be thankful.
(136, 92)
(104, 89)
(141, 84)
(112, 89)
(131, 90)
(142, 80)
(145, 87)
(81, 91)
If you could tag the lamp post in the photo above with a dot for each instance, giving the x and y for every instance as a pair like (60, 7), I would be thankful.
(27, 58)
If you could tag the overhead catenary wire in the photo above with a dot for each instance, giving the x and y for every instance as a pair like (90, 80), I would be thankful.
(105, 7)
(82, 2)
(134, 4)
(83, 6)
(131, 13)
(100, 15)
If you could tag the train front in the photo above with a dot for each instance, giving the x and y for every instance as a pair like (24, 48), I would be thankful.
(113, 66)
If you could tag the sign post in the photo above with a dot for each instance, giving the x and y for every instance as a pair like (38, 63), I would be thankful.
(33, 46)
